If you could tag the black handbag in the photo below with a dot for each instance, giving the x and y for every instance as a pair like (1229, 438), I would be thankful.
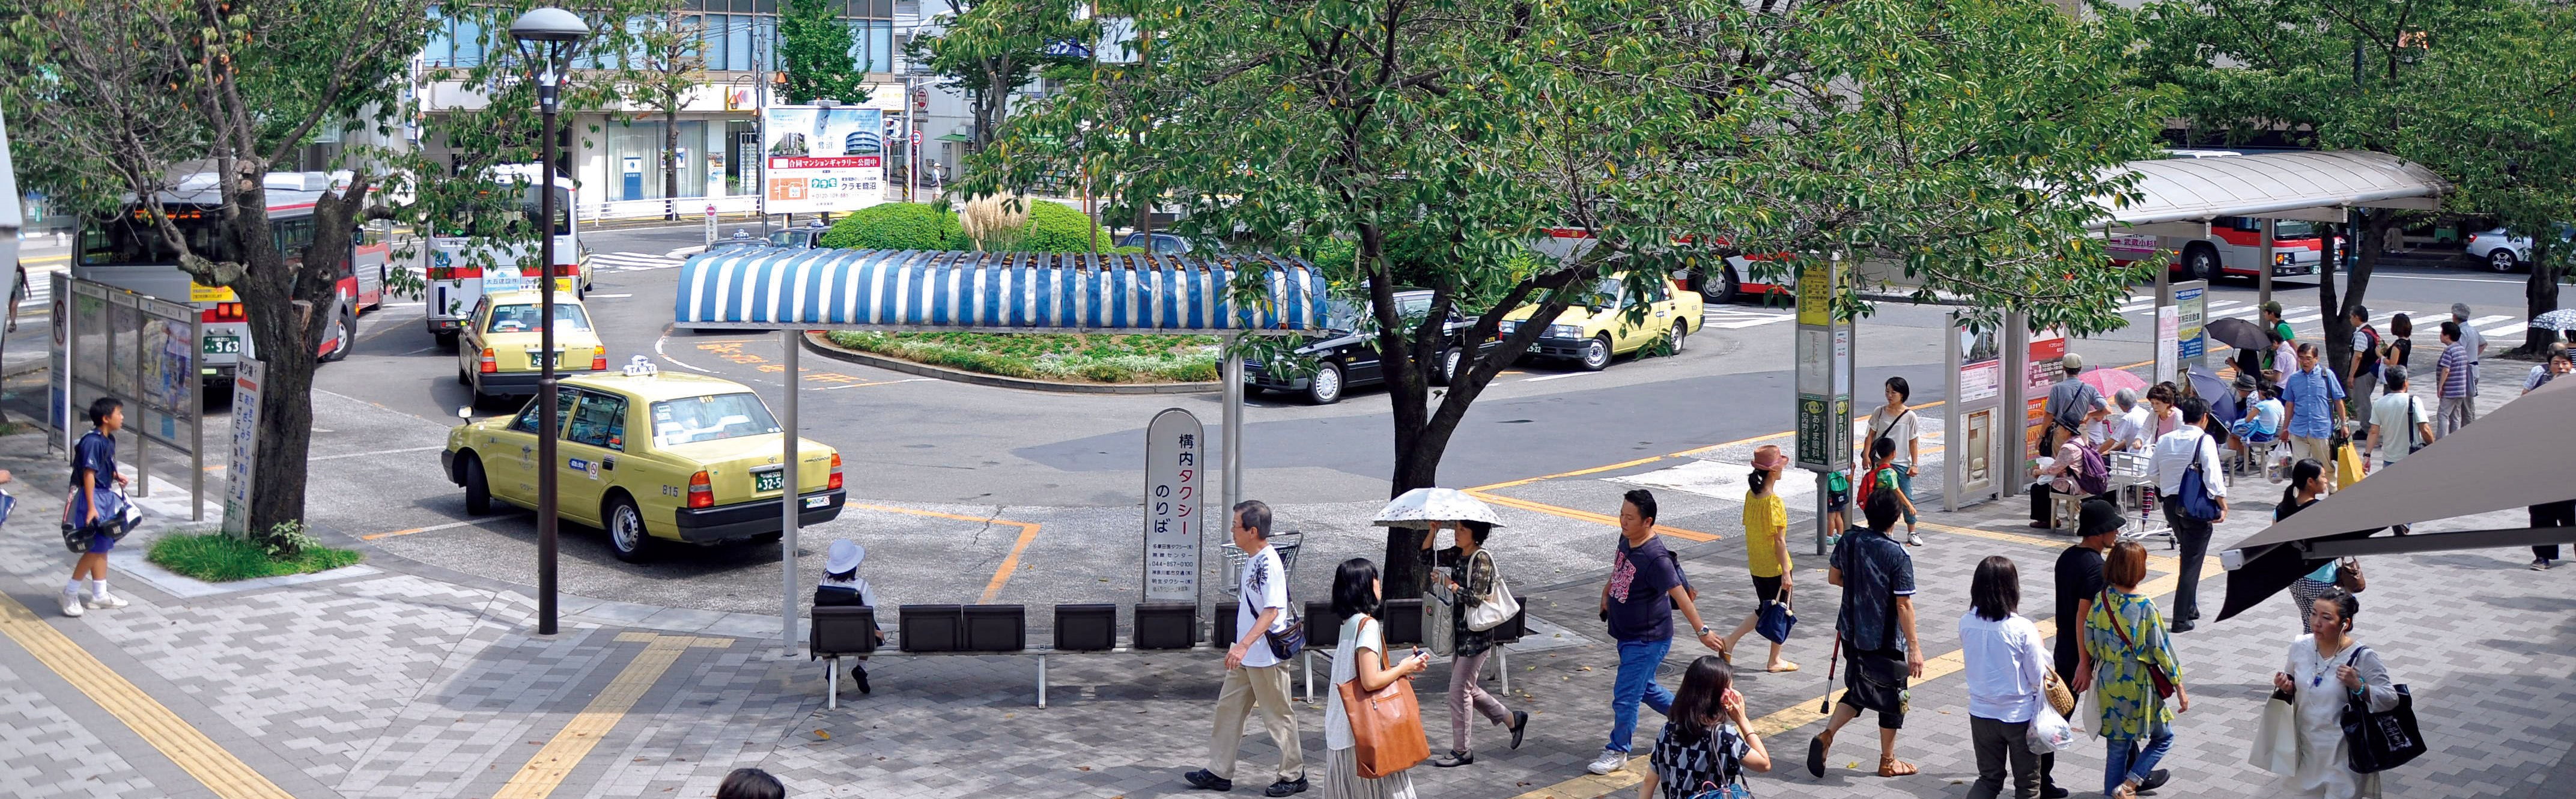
(1284, 645)
(2375, 742)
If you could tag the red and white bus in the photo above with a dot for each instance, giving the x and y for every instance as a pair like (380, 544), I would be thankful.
(128, 251)
(1727, 279)
(2233, 248)
(461, 268)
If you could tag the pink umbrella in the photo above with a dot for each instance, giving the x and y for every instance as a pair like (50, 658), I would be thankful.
(2110, 381)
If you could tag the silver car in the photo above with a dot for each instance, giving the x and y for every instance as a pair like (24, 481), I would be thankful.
(2503, 251)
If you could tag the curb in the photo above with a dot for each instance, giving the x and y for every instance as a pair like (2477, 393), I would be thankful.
(820, 346)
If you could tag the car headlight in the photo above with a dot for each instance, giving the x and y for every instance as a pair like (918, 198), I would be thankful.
(1564, 331)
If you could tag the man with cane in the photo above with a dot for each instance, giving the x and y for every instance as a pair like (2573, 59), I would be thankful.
(1876, 623)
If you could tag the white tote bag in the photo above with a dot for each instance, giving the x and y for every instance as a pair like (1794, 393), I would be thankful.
(1496, 609)
(2276, 741)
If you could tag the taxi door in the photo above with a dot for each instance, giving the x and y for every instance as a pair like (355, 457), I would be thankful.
(1659, 313)
(1624, 331)
(593, 443)
(510, 454)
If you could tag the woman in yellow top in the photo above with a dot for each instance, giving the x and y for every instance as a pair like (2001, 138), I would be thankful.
(1766, 545)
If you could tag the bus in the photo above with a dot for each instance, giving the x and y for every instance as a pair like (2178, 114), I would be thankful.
(461, 267)
(128, 251)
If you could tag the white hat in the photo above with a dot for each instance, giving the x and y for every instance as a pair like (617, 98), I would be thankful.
(844, 556)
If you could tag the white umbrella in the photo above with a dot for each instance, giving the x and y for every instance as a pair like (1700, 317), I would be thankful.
(2561, 320)
(1422, 506)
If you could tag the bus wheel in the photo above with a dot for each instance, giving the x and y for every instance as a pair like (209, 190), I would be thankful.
(343, 336)
(445, 341)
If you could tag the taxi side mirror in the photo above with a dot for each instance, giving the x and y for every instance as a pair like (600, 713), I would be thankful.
(465, 412)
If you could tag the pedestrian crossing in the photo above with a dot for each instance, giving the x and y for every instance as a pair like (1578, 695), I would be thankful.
(1725, 318)
(632, 261)
(2307, 322)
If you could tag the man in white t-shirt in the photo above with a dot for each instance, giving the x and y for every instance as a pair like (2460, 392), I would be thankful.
(2398, 421)
(1254, 678)
(2129, 426)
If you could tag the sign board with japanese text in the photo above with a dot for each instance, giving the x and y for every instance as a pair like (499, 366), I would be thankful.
(2042, 368)
(823, 160)
(2191, 338)
(1975, 356)
(1175, 481)
(2168, 342)
(1824, 356)
(247, 377)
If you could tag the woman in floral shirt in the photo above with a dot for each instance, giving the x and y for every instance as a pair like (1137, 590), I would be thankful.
(2124, 644)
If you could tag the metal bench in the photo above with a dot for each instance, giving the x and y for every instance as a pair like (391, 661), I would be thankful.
(837, 632)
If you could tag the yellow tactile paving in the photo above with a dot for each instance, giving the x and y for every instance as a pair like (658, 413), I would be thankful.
(556, 760)
(227, 776)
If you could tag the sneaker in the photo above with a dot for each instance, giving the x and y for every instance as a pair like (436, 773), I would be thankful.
(72, 604)
(1609, 761)
(2180, 627)
(1206, 780)
(1453, 759)
(104, 602)
(1913, 539)
(2537, 564)
(1286, 787)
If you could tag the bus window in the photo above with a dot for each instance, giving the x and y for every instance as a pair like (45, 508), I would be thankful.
(132, 239)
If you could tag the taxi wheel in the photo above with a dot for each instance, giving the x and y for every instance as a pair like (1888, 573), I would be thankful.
(478, 489)
(1326, 387)
(626, 530)
(1596, 354)
(1681, 336)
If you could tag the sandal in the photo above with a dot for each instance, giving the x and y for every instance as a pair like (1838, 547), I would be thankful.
(1816, 757)
(1892, 767)
(1785, 666)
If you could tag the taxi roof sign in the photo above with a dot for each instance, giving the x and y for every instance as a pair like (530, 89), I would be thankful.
(641, 366)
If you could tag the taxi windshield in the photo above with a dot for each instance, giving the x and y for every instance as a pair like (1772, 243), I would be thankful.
(710, 418)
(523, 318)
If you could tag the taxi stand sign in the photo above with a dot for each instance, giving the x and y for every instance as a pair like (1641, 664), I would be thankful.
(1824, 359)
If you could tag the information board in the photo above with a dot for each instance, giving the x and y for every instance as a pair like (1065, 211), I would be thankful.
(1175, 481)
(823, 160)
(238, 475)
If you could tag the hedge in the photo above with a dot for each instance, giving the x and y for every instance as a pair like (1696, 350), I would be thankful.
(898, 226)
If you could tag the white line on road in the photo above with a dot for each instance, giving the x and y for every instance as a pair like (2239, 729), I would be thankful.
(2488, 320)
(377, 452)
(657, 350)
(2503, 330)
(877, 383)
(684, 252)
(610, 296)
(2446, 279)
(1555, 376)
(2304, 319)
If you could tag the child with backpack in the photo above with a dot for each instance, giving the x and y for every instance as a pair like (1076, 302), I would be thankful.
(1883, 476)
(2078, 468)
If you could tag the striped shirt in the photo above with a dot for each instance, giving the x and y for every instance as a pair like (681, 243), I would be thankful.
(2454, 367)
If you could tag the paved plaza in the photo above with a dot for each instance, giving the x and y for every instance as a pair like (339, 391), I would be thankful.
(398, 679)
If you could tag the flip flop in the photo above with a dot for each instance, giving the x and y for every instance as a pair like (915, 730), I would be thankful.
(1784, 667)
(1816, 757)
(1895, 768)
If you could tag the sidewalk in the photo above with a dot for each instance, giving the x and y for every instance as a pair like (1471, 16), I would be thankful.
(397, 680)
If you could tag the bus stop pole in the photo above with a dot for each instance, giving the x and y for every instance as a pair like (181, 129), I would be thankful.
(787, 502)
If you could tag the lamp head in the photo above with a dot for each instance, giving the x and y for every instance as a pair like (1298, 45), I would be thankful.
(546, 24)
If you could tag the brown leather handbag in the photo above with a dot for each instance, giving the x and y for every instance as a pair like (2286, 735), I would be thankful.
(1386, 724)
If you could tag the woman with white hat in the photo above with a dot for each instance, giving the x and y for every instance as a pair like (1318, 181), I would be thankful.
(842, 586)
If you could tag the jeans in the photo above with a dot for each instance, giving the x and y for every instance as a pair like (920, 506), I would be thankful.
(2193, 535)
(2124, 761)
(1905, 486)
(1637, 663)
(1999, 743)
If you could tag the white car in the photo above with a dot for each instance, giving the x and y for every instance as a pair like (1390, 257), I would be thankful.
(2503, 251)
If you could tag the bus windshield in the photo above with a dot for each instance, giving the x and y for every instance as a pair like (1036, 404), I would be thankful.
(710, 418)
(132, 239)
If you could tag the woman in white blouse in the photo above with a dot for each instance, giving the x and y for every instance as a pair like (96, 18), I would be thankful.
(1362, 656)
(2326, 668)
(2007, 665)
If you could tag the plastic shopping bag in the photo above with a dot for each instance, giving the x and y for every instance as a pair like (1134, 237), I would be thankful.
(2049, 732)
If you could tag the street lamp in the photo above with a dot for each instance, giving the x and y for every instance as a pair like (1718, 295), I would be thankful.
(546, 37)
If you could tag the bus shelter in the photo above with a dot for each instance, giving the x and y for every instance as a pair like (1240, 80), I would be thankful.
(797, 290)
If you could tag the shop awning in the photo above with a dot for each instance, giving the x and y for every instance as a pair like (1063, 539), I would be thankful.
(819, 289)
(2294, 185)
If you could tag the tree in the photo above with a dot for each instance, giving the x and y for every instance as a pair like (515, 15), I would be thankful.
(814, 52)
(989, 49)
(667, 67)
(2476, 90)
(1957, 144)
(121, 95)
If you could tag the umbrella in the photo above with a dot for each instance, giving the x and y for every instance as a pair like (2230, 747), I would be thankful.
(2221, 396)
(2110, 381)
(2240, 334)
(2561, 320)
(1422, 506)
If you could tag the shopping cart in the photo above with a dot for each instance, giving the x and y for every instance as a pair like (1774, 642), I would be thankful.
(1287, 545)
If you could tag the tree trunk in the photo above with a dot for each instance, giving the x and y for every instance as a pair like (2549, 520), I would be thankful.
(2366, 244)
(288, 338)
(671, 158)
(2540, 294)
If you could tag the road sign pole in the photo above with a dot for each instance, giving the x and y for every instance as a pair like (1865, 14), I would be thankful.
(1824, 377)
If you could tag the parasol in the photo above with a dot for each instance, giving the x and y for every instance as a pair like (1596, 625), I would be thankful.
(2240, 334)
(1420, 507)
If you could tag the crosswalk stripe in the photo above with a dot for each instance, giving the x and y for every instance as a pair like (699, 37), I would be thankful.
(2303, 319)
(2488, 320)
(2503, 330)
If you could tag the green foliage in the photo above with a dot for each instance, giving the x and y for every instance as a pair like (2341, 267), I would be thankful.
(898, 226)
(217, 558)
(814, 52)
(988, 49)
(1064, 357)
(1056, 227)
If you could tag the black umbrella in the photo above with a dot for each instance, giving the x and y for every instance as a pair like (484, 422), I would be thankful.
(2269, 571)
(2240, 334)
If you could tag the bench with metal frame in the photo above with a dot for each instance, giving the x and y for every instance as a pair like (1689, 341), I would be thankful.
(837, 632)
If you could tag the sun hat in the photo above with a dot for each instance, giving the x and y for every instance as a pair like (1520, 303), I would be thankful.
(1768, 457)
(2098, 517)
(844, 556)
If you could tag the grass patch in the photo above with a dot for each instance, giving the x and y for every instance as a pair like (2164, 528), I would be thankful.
(1062, 357)
(219, 558)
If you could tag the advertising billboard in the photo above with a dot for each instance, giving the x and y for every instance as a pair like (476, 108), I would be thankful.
(823, 159)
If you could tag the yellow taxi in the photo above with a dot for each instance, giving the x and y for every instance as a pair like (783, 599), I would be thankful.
(704, 471)
(496, 352)
(1601, 326)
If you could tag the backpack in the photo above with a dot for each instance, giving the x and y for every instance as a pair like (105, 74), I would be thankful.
(2371, 354)
(2092, 475)
(1870, 482)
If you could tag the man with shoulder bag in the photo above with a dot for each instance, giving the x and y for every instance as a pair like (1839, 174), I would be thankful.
(1256, 670)
(2190, 485)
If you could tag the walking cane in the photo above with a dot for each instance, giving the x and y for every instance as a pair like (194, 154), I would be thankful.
(1833, 661)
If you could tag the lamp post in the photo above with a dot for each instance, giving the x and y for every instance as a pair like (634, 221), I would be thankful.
(546, 37)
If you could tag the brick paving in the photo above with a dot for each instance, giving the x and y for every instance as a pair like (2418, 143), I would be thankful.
(395, 684)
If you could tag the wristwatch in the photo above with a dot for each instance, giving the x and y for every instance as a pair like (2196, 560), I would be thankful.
(1705, 629)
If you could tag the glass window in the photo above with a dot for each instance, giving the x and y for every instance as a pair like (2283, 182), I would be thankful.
(527, 421)
(469, 42)
(711, 40)
(599, 421)
(738, 51)
(881, 47)
(710, 418)
(133, 239)
(523, 318)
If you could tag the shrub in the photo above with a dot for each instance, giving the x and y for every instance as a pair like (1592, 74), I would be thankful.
(898, 226)
(1056, 227)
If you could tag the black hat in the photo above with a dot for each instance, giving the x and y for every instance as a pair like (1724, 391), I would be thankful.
(2099, 517)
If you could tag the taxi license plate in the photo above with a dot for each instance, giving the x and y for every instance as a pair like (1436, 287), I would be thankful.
(816, 502)
(769, 481)
(222, 345)
(1533, 348)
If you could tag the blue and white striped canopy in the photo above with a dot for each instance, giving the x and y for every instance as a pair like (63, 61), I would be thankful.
(828, 289)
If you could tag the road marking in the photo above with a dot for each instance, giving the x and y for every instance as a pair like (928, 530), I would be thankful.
(47, 259)
(657, 350)
(610, 296)
(1010, 563)
(2446, 279)
(1586, 516)
(219, 770)
(1558, 376)
(2503, 330)
(2304, 319)
(877, 383)
(377, 452)
(1797, 714)
(434, 527)
(546, 771)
